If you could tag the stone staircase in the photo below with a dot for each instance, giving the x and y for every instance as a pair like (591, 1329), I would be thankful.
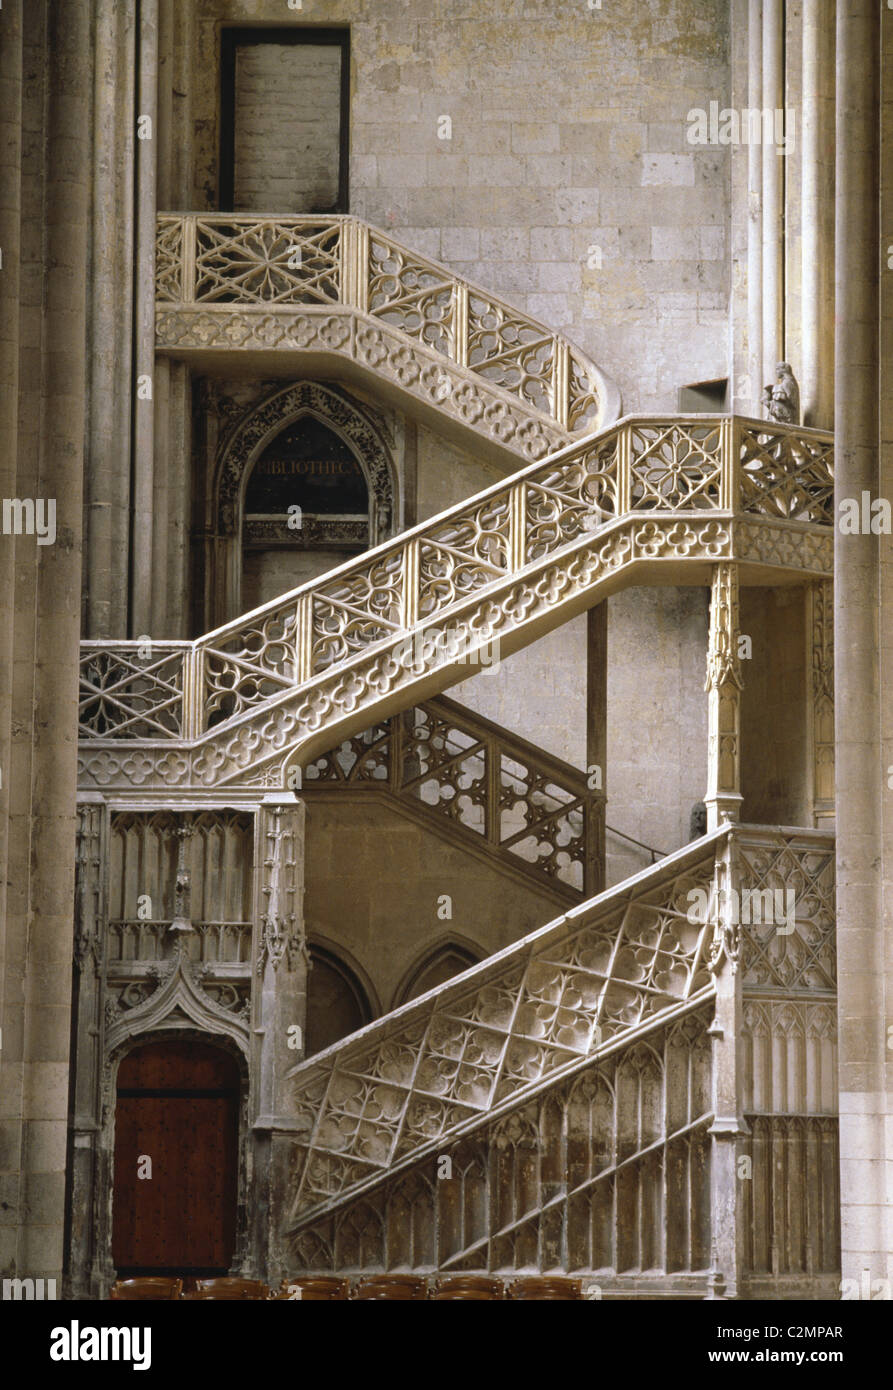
(348, 300)
(480, 787)
(577, 1102)
(647, 500)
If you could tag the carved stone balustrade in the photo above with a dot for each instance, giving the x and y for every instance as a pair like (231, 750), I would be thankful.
(459, 773)
(629, 1094)
(649, 497)
(340, 290)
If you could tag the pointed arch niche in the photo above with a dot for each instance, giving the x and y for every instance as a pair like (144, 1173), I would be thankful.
(437, 964)
(302, 483)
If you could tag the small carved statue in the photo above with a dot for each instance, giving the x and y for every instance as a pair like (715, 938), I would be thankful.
(697, 825)
(781, 402)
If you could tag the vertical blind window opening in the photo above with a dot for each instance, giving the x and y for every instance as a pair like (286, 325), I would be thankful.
(284, 121)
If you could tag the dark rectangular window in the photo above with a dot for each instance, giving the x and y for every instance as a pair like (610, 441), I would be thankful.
(284, 112)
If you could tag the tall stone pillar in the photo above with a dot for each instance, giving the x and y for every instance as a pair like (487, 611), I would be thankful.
(885, 387)
(142, 614)
(864, 832)
(597, 738)
(38, 924)
(107, 476)
(90, 916)
(773, 192)
(817, 197)
(723, 686)
(755, 211)
(279, 1021)
(10, 233)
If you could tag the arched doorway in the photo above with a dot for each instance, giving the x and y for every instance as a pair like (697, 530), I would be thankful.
(176, 1160)
(305, 510)
(307, 433)
(337, 1004)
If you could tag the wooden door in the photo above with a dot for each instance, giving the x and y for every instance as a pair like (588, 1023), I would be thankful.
(176, 1160)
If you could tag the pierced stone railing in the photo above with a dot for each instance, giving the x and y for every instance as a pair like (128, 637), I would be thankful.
(605, 1174)
(338, 285)
(483, 785)
(584, 1101)
(410, 617)
(485, 1043)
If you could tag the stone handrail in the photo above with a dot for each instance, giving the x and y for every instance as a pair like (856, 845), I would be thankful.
(522, 1113)
(398, 623)
(218, 263)
(485, 1042)
(481, 784)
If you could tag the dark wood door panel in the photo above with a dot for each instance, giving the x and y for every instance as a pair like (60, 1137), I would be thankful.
(182, 1217)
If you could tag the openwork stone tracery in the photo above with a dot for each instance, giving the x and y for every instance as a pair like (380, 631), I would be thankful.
(507, 565)
(245, 282)
(528, 1074)
(492, 1129)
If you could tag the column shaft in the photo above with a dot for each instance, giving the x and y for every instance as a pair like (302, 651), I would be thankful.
(862, 1003)
(144, 365)
(597, 736)
(773, 191)
(755, 211)
(107, 476)
(56, 624)
(817, 274)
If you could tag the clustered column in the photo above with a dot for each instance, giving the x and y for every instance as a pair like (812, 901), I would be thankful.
(279, 1001)
(865, 986)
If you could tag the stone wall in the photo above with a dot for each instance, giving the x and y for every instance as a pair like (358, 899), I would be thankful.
(376, 882)
(567, 184)
(279, 89)
(774, 728)
(657, 721)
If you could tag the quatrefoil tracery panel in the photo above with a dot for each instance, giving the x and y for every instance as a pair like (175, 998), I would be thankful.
(356, 609)
(253, 664)
(676, 466)
(412, 294)
(583, 401)
(562, 501)
(510, 351)
(488, 1040)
